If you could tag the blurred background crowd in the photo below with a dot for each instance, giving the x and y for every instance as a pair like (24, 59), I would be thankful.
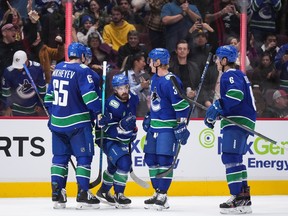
(122, 32)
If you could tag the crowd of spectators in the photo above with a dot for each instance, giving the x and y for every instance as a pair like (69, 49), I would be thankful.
(122, 32)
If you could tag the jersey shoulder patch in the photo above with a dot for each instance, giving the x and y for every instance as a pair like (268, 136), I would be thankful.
(133, 92)
(167, 77)
(115, 104)
(37, 64)
(83, 66)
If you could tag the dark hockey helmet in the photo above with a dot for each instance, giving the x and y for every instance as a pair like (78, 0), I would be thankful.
(76, 50)
(228, 51)
(119, 80)
(159, 53)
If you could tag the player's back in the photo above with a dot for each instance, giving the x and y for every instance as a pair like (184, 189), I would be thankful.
(73, 92)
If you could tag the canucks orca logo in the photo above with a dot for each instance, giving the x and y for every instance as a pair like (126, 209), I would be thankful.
(25, 90)
(155, 101)
(265, 12)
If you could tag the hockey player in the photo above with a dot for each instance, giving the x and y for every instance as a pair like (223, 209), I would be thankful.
(165, 127)
(119, 131)
(236, 103)
(73, 103)
(20, 97)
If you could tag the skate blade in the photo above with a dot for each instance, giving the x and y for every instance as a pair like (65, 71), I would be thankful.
(102, 200)
(160, 207)
(149, 206)
(58, 205)
(122, 206)
(237, 210)
(83, 206)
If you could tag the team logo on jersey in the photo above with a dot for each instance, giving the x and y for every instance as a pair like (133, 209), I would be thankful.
(114, 104)
(155, 101)
(25, 90)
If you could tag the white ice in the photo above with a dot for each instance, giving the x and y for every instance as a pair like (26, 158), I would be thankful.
(182, 206)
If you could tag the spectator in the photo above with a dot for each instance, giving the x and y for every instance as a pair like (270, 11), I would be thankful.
(115, 33)
(48, 57)
(130, 15)
(281, 64)
(185, 69)
(234, 41)
(223, 17)
(265, 75)
(100, 52)
(87, 27)
(130, 48)
(139, 82)
(279, 108)
(269, 45)
(97, 13)
(178, 16)
(199, 48)
(263, 20)
(53, 25)
(21, 97)
(154, 23)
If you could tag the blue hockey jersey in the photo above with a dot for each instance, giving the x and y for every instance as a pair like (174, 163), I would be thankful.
(237, 99)
(117, 110)
(166, 104)
(72, 96)
(18, 91)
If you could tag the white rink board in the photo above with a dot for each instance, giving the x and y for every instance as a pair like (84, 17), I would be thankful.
(25, 152)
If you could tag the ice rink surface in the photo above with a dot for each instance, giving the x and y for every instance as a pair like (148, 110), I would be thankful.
(192, 206)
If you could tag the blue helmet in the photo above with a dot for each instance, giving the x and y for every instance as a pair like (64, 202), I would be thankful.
(76, 50)
(88, 55)
(161, 54)
(228, 51)
(119, 80)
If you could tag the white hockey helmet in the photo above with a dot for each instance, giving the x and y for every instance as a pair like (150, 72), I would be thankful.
(19, 58)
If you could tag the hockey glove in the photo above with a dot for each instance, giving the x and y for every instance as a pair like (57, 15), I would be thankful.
(128, 123)
(181, 133)
(212, 113)
(146, 122)
(103, 120)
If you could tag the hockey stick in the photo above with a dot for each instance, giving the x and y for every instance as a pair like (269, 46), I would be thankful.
(133, 175)
(175, 83)
(99, 177)
(169, 170)
(166, 172)
(201, 81)
(39, 97)
(35, 88)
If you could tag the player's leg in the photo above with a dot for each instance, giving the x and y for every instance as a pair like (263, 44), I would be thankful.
(59, 169)
(123, 165)
(233, 148)
(103, 194)
(83, 149)
(151, 161)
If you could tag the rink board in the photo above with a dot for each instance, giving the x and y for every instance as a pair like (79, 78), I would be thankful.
(25, 152)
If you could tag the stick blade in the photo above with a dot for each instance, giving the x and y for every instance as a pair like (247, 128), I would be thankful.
(138, 180)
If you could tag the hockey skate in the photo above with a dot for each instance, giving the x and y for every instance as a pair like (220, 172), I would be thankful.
(161, 202)
(86, 200)
(59, 197)
(105, 197)
(236, 205)
(121, 201)
(149, 203)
